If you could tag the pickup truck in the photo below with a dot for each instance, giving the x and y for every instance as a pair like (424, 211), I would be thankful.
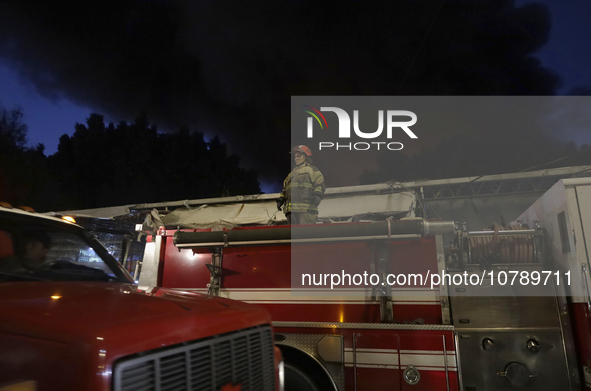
(71, 318)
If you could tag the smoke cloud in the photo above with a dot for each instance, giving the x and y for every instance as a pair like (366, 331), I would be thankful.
(230, 67)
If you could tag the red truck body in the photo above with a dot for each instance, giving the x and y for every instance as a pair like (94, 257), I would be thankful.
(374, 355)
(71, 334)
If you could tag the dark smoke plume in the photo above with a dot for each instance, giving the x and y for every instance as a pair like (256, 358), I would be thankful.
(230, 67)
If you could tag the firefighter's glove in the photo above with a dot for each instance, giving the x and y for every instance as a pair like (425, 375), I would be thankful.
(280, 203)
(316, 201)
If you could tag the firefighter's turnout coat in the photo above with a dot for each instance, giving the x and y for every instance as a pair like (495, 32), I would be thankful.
(299, 188)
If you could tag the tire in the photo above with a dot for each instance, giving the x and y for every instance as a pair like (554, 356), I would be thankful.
(298, 380)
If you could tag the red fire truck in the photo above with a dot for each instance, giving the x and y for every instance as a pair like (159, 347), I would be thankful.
(446, 336)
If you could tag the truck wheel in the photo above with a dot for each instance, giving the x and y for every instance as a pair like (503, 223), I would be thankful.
(298, 380)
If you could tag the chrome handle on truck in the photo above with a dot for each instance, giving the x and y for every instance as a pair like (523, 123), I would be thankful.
(586, 275)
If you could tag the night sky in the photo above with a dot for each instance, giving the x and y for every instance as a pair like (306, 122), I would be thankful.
(228, 68)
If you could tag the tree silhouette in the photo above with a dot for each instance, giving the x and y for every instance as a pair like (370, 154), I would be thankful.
(13, 131)
(22, 172)
(104, 165)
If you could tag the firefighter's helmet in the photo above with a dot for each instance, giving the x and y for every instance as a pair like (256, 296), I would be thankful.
(302, 149)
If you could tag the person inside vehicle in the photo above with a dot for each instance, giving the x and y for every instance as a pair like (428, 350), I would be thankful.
(35, 249)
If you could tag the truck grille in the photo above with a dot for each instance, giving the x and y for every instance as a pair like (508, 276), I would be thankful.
(244, 357)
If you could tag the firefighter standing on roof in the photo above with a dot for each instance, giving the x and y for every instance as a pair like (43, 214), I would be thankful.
(303, 189)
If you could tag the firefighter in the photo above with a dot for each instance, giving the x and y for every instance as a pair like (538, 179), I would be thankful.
(303, 189)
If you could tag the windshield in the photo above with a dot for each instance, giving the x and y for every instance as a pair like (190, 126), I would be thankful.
(32, 249)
